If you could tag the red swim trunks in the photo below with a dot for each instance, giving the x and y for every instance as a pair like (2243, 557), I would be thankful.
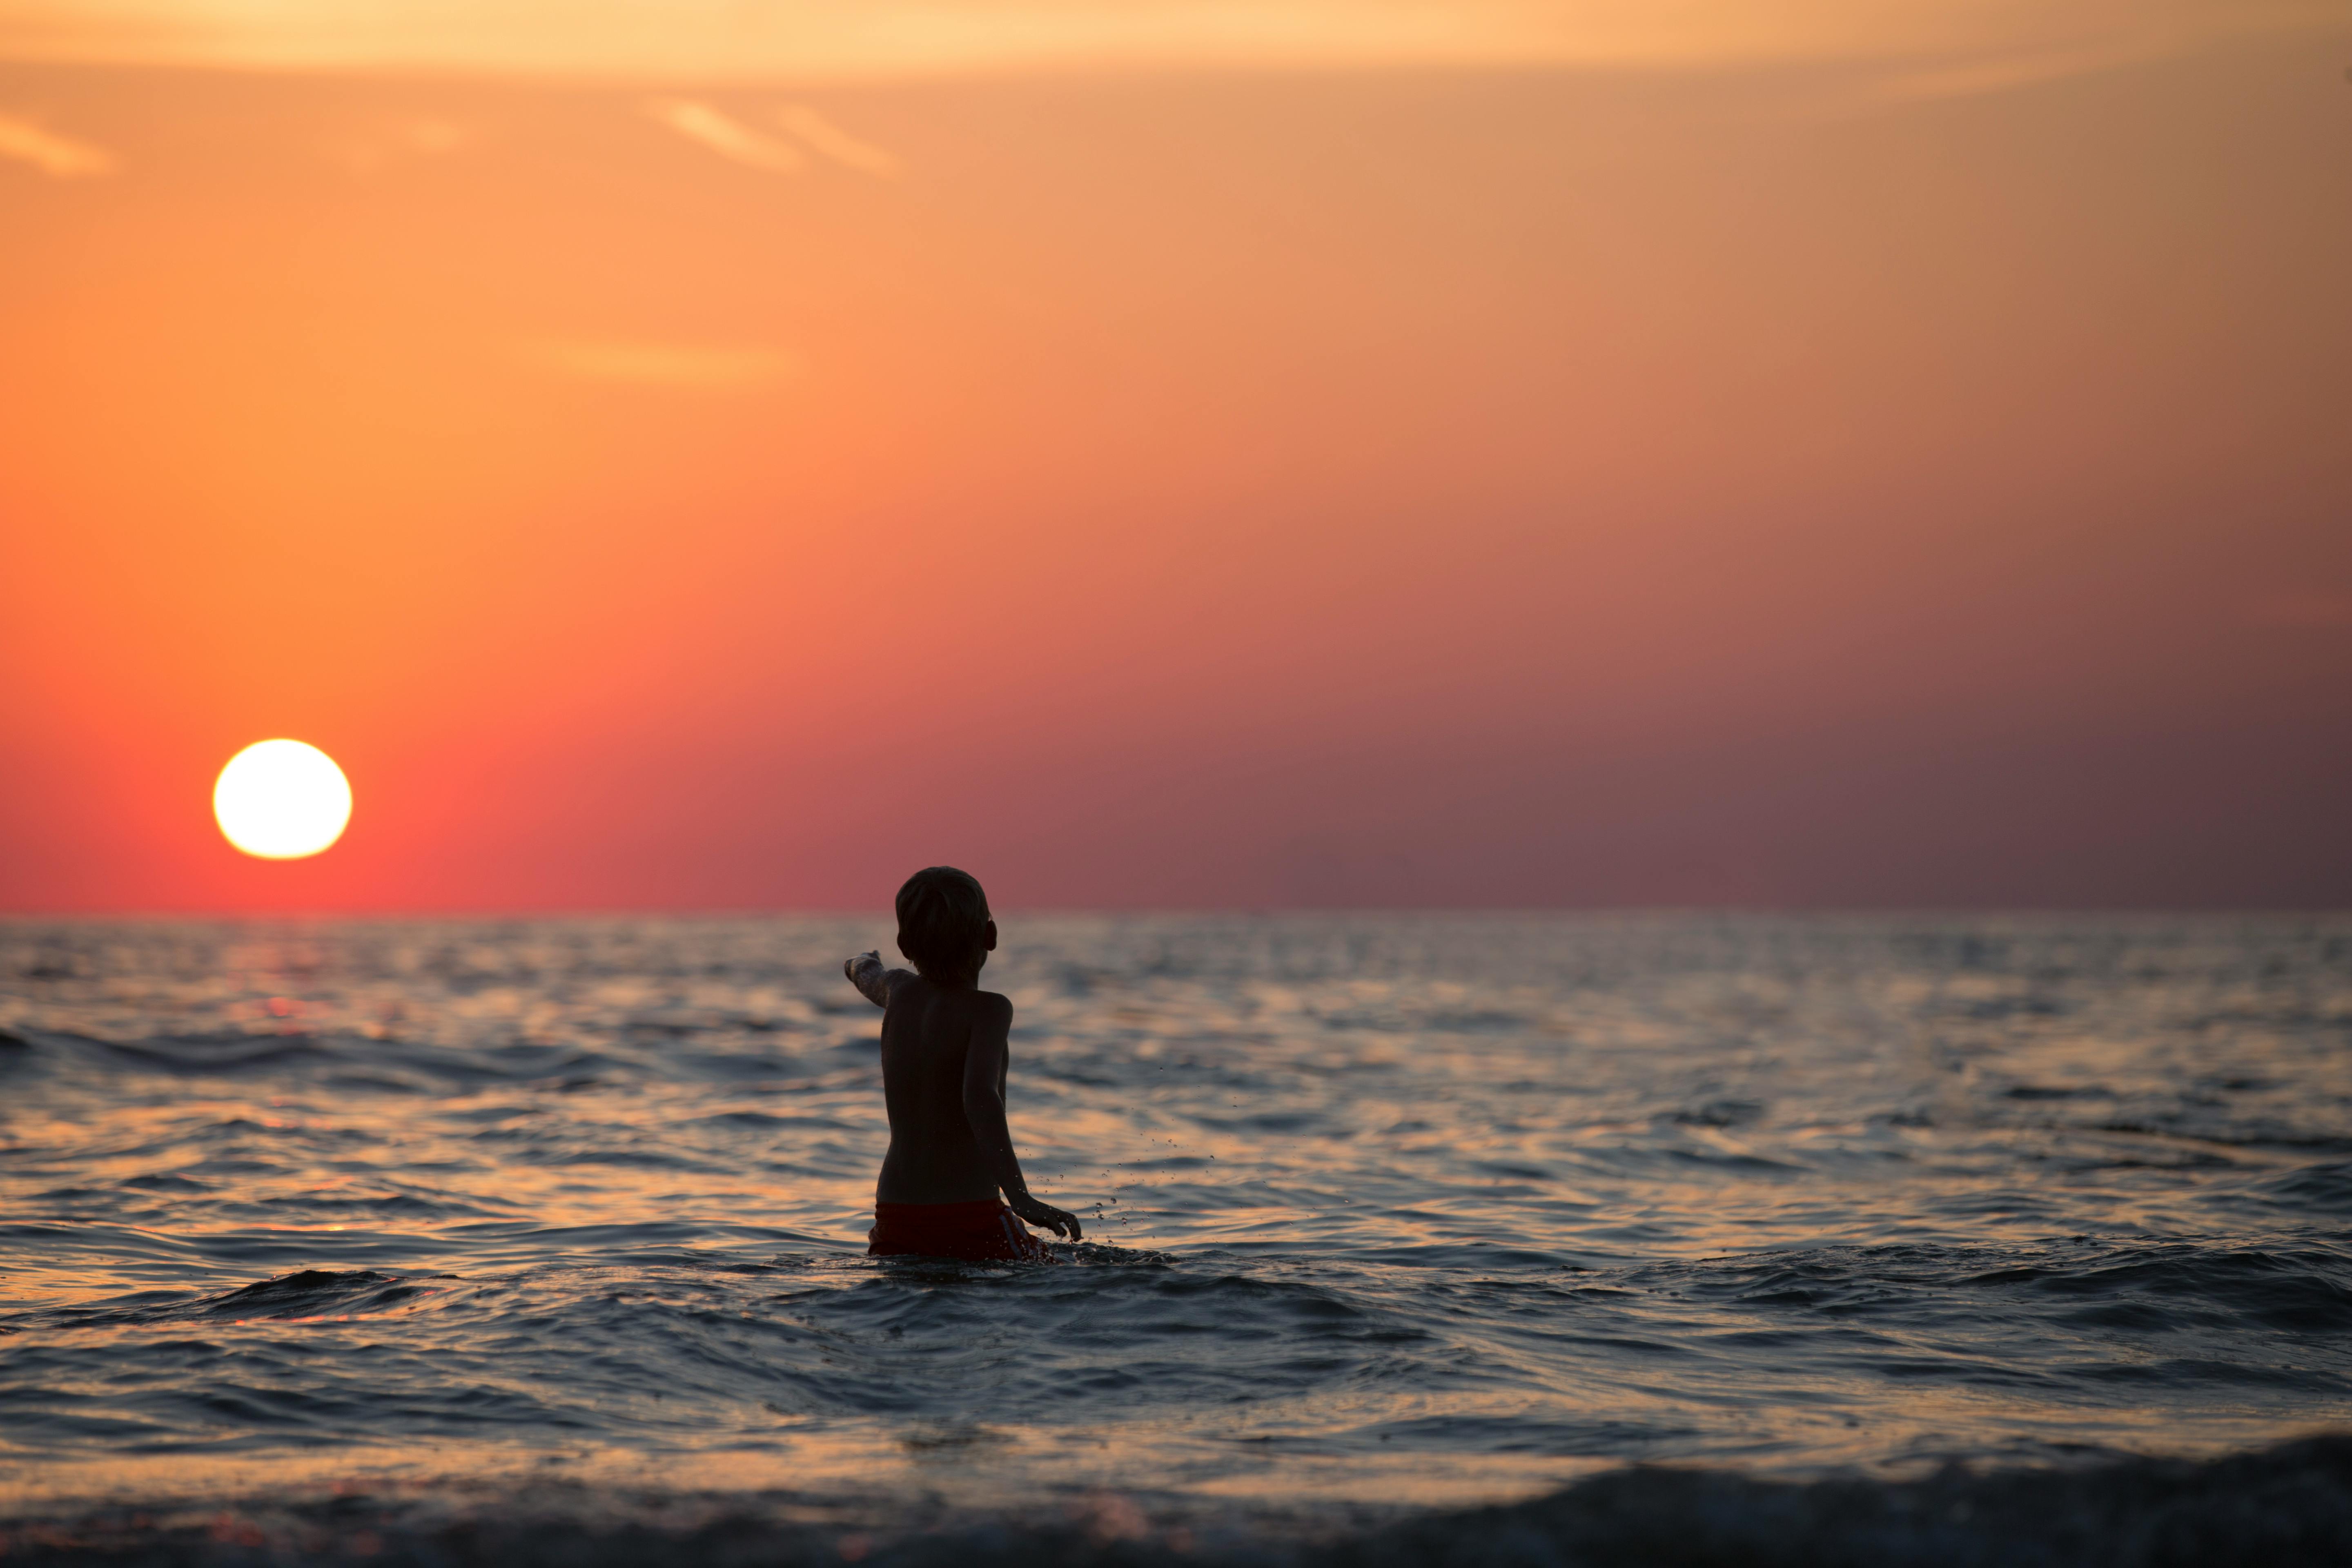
(981, 1232)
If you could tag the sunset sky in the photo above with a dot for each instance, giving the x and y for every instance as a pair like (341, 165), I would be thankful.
(718, 456)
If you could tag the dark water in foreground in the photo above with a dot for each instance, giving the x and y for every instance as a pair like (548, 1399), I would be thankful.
(1395, 1212)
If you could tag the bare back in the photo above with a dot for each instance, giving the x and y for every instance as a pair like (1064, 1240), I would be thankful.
(944, 1050)
(932, 1038)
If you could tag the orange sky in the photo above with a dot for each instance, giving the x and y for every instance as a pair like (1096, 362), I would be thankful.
(1323, 465)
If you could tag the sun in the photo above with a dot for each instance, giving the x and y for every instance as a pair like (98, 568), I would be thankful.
(282, 800)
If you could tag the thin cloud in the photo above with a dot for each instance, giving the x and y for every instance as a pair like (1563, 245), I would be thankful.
(706, 41)
(58, 156)
(401, 139)
(838, 144)
(1980, 78)
(704, 367)
(728, 137)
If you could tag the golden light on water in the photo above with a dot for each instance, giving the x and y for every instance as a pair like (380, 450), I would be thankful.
(281, 800)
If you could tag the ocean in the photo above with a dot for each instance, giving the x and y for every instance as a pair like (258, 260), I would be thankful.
(1520, 1237)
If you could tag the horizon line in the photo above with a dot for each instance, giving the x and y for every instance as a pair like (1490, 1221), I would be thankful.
(1250, 912)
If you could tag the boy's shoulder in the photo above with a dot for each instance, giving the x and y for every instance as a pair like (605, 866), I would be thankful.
(986, 1003)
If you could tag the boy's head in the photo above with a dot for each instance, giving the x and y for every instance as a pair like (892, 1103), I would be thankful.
(943, 924)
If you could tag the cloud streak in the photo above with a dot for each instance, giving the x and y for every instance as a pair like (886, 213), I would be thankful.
(2012, 73)
(832, 142)
(711, 40)
(702, 367)
(397, 141)
(727, 136)
(58, 156)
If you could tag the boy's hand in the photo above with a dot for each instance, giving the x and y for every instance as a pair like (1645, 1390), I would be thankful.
(1045, 1216)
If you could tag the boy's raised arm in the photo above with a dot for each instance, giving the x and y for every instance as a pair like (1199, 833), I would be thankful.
(874, 980)
(983, 1108)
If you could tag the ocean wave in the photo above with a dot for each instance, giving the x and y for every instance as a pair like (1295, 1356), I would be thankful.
(2167, 1285)
(1377, 1210)
(2283, 1507)
(390, 1064)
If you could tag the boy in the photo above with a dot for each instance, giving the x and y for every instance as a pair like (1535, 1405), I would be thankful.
(944, 1042)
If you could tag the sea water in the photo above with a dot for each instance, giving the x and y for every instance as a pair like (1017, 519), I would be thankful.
(1382, 1214)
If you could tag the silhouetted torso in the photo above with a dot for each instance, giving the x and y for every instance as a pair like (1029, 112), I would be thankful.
(925, 1037)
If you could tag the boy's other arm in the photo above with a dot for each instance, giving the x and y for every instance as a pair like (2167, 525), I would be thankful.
(874, 981)
(984, 1110)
